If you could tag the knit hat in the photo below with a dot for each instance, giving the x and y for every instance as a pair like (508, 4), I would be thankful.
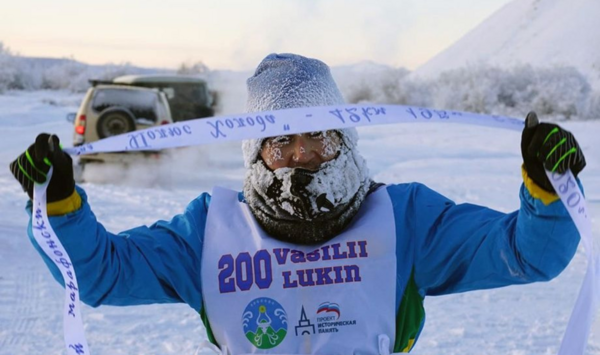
(284, 81)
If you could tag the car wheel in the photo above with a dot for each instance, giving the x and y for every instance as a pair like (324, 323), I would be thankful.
(114, 121)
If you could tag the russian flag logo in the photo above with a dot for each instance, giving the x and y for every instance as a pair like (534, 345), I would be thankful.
(329, 307)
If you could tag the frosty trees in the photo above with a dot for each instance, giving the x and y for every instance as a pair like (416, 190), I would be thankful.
(558, 93)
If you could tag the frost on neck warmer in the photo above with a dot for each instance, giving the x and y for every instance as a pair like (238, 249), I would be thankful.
(295, 205)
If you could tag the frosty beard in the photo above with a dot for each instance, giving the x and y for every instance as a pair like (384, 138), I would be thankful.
(307, 207)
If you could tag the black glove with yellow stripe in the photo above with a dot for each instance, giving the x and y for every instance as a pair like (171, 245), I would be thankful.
(547, 146)
(33, 165)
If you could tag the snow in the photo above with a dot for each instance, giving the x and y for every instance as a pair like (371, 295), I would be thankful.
(467, 164)
(541, 33)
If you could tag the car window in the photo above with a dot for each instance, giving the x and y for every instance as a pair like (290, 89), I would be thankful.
(196, 93)
(190, 101)
(143, 104)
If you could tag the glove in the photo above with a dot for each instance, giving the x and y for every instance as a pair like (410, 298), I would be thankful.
(546, 146)
(33, 165)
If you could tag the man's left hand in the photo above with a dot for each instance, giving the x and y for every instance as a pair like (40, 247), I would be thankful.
(547, 146)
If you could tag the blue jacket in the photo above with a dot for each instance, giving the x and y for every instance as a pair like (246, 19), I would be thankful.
(441, 248)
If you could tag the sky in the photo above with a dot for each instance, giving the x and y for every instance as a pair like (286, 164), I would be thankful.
(235, 34)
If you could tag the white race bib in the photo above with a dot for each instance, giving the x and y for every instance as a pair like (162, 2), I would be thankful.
(267, 296)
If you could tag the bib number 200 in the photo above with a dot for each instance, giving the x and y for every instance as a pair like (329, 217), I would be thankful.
(244, 271)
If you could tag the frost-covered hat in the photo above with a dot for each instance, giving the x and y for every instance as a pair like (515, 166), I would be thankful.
(284, 81)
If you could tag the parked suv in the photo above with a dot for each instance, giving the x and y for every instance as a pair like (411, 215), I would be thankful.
(188, 96)
(109, 110)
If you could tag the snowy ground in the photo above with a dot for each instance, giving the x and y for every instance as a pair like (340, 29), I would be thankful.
(467, 164)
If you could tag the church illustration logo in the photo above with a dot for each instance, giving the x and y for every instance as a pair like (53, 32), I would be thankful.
(265, 323)
(304, 327)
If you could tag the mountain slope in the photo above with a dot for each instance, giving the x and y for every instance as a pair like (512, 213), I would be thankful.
(542, 33)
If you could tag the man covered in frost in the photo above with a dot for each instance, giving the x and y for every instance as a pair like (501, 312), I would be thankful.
(313, 257)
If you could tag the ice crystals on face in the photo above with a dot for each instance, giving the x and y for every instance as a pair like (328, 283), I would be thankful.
(333, 184)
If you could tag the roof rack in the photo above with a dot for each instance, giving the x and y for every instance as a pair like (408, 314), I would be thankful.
(95, 82)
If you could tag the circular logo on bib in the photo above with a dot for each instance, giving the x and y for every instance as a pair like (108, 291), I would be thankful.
(265, 323)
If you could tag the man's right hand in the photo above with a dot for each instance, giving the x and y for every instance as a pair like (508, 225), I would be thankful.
(33, 165)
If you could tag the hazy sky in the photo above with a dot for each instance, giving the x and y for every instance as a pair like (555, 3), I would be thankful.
(235, 34)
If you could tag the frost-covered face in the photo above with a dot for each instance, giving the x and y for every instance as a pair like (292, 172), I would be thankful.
(307, 150)
(306, 176)
(305, 188)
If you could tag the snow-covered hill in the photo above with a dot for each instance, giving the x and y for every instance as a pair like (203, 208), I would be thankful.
(542, 33)
(555, 94)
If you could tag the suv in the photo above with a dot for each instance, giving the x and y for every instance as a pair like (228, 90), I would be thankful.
(109, 110)
(189, 97)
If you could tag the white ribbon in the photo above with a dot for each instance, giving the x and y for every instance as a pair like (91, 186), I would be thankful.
(284, 122)
(49, 242)
(310, 119)
(582, 317)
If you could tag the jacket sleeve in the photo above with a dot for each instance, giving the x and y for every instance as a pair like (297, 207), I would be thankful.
(466, 247)
(156, 264)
